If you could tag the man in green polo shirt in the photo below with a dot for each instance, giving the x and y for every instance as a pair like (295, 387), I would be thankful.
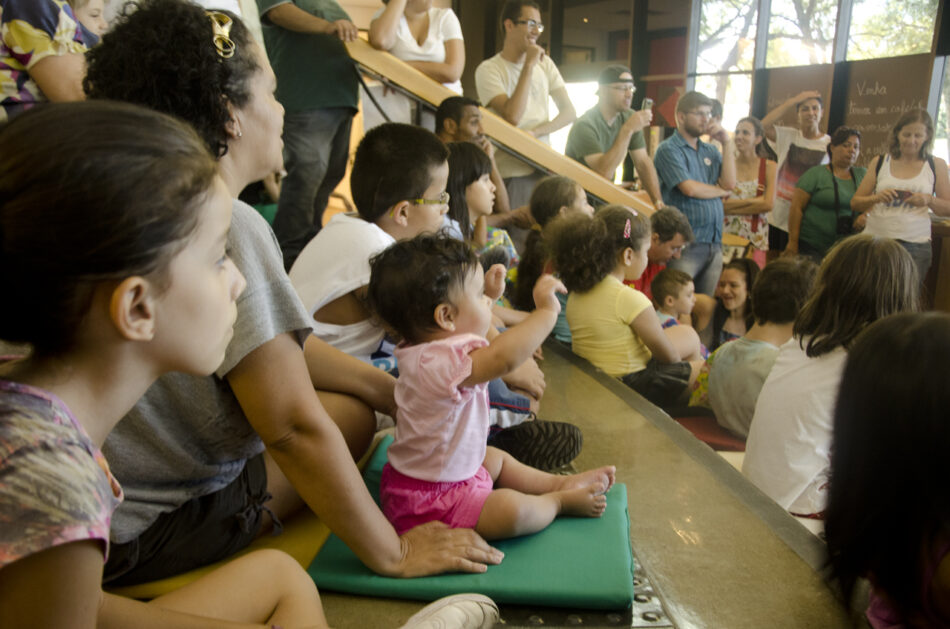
(318, 86)
(603, 136)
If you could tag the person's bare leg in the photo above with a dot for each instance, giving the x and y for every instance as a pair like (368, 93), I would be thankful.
(353, 417)
(509, 473)
(264, 587)
(509, 513)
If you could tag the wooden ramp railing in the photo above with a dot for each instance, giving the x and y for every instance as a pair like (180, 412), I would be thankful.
(517, 141)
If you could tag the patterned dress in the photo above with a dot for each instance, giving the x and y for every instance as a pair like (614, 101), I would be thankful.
(31, 30)
(753, 227)
(55, 485)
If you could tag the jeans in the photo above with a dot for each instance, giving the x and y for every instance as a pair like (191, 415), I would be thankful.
(922, 253)
(316, 147)
(703, 262)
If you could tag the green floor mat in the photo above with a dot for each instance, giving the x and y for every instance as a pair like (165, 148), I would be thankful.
(581, 563)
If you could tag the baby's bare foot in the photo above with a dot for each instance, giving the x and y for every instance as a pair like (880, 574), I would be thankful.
(586, 502)
(602, 476)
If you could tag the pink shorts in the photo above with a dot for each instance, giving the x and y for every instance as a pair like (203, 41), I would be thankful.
(408, 502)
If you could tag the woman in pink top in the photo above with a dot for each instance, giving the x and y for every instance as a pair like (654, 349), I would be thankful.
(432, 292)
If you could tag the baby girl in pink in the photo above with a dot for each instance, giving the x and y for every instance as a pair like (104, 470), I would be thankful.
(432, 292)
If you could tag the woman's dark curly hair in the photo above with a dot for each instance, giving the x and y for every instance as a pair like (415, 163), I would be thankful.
(161, 54)
(587, 249)
(411, 278)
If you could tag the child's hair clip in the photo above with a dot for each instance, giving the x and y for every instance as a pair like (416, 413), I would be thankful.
(626, 229)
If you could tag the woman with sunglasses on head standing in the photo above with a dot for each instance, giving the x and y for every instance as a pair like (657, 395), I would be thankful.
(821, 212)
(904, 185)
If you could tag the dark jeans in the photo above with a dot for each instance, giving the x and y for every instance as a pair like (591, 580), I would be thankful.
(316, 148)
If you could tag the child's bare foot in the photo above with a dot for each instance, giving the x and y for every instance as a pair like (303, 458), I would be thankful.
(602, 476)
(587, 502)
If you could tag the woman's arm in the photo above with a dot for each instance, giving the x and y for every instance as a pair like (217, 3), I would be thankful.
(382, 30)
(940, 203)
(449, 71)
(273, 386)
(761, 203)
(864, 198)
(646, 325)
(796, 211)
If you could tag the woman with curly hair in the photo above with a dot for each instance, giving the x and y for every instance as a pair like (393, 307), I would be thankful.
(211, 463)
(614, 326)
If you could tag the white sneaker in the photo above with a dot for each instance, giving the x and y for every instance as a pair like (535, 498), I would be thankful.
(462, 611)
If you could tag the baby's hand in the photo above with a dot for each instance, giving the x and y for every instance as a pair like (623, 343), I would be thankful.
(544, 291)
(495, 281)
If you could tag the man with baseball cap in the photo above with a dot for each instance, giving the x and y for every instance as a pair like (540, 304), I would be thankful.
(607, 132)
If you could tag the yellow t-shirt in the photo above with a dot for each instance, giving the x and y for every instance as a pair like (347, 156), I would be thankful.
(600, 327)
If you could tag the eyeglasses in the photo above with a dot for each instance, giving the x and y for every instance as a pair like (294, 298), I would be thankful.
(221, 27)
(624, 88)
(532, 25)
(442, 200)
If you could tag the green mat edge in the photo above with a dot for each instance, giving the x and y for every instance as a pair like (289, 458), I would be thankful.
(354, 578)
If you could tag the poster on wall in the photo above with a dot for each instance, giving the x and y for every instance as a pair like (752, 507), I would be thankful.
(879, 91)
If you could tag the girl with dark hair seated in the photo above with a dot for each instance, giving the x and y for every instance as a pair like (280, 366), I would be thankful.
(732, 316)
(155, 294)
(888, 517)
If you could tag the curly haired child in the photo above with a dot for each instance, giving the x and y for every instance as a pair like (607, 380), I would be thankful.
(432, 291)
(614, 326)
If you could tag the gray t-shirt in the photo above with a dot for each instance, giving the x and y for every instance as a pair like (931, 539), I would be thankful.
(188, 437)
(737, 372)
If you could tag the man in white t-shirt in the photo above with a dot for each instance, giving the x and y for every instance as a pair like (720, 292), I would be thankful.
(516, 84)
(797, 150)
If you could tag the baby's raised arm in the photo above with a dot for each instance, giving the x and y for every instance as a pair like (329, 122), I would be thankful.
(516, 345)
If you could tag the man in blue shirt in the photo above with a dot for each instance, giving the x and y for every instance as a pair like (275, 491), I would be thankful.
(695, 178)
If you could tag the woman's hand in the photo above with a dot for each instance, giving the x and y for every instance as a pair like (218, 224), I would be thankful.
(886, 196)
(919, 199)
(434, 548)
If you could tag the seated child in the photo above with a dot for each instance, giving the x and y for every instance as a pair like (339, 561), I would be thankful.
(737, 370)
(433, 293)
(471, 201)
(614, 326)
(553, 196)
(674, 297)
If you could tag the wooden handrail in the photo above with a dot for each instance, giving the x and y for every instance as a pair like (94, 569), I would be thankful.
(498, 129)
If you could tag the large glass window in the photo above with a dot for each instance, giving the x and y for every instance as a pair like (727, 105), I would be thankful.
(942, 130)
(726, 36)
(725, 52)
(732, 90)
(888, 28)
(801, 32)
